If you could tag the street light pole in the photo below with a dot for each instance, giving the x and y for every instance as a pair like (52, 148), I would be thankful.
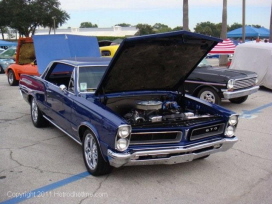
(243, 21)
(54, 24)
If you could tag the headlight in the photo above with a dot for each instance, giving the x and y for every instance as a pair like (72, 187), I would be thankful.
(233, 120)
(123, 137)
(231, 125)
(229, 131)
(124, 131)
(122, 144)
(256, 80)
(230, 84)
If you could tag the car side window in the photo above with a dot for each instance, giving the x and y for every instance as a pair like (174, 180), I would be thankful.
(59, 74)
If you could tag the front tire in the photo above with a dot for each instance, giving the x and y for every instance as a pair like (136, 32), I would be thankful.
(92, 156)
(238, 100)
(210, 95)
(36, 115)
(11, 78)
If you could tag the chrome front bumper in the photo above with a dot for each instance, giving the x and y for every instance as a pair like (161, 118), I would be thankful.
(240, 93)
(172, 155)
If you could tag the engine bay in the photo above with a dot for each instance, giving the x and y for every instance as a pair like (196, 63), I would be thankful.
(157, 109)
(160, 111)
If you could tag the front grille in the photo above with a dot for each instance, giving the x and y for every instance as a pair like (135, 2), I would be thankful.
(155, 137)
(179, 123)
(244, 83)
(207, 131)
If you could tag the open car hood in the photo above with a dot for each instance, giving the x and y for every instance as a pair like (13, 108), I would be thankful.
(63, 46)
(155, 62)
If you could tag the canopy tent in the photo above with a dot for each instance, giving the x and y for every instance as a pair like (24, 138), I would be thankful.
(250, 31)
(225, 47)
(4, 43)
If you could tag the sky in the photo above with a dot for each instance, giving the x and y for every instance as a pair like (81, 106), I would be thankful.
(107, 13)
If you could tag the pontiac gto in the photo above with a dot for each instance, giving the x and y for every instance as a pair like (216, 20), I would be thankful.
(132, 109)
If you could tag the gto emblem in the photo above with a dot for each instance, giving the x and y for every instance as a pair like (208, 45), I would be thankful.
(211, 129)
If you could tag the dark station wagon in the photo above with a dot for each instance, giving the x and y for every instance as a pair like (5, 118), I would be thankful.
(132, 109)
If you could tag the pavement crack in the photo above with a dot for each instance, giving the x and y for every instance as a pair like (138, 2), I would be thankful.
(11, 157)
(96, 190)
(252, 155)
(41, 141)
(100, 184)
(8, 120)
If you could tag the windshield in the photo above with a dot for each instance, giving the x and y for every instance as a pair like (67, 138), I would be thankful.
(204, 63)
(89, 77)
(8, 53)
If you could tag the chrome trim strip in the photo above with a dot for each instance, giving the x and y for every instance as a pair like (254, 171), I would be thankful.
(62, 130)
(205, 83)
(163, 156)
(240, 93)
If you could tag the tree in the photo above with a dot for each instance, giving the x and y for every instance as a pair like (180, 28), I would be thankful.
(26, 15)
(223, 59)
(3, 30)
(177, 28)
(4, 21)
(270, 36)
(208, 28)
(256, 26)
(88, 25)
(161, 28)
(145, 29)
(234, 26)
(185, 15)
(123, 25)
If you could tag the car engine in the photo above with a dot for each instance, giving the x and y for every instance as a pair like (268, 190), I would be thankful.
(157, 111)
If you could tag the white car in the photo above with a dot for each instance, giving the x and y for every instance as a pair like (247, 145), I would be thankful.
(256, 57)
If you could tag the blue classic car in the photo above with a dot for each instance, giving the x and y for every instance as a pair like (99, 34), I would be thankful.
(132, 109)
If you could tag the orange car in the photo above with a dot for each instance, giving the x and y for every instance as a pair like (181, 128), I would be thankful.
(25, 62)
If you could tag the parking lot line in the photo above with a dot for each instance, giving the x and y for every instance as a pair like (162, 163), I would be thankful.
(249, 113)
(39, 191)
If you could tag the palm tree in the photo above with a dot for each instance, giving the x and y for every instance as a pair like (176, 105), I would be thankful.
(270, 37)
(185, 15)
(223, 60)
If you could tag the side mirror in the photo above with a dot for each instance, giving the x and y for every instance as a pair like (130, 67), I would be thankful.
(63, 88)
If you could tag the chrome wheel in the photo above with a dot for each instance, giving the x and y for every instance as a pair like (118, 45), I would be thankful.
(10, 77)
(207, 96)
(210, 95)
(34, 111)
(90, 151)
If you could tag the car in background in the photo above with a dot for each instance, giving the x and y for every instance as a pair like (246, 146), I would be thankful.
(6, 58)
(25, 61)
(254, 57)
(215, 84)
(108, 51)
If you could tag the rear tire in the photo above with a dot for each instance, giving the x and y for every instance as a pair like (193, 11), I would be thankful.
(36, 115)
(238, 100)
(92, 156)
(11, 78)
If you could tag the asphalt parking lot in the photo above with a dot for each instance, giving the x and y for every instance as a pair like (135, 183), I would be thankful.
(45, 166)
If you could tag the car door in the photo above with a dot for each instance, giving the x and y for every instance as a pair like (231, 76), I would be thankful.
(58, 98)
